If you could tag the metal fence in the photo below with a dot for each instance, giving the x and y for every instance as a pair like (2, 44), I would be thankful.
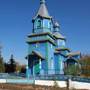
(81, 79)
(11, 76)
(58, 77)
(63, 78)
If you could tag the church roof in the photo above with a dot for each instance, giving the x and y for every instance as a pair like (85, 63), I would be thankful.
(62, 49)
(38, 54)
(73, 53)
(40, 39)
(41, 34)
(58, 35)
(35, 53)
(43, 12)
(58, 52)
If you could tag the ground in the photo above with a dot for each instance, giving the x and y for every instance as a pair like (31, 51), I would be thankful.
(27, 87)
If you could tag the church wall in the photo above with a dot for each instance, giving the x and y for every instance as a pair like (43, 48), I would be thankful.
(47, 25)
(60, 43)
(42, 25)
(47, 50)
(50, 58)
(38, 25)
(56, 63)
(38, 47)
(59, 64)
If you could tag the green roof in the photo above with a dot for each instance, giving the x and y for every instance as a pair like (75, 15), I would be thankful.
(41, 34)
(37, 53)
(74, 53)
(58, 35)
(62, 49)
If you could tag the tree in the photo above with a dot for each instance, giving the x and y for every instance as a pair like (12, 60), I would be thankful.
(85, 65)
(23, 69)
(10, 67)
(2, 67)
(18, 68)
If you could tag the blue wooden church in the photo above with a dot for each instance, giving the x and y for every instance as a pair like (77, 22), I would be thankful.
(47, 53)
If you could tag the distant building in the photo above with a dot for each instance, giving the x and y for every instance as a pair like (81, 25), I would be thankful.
(47, 53)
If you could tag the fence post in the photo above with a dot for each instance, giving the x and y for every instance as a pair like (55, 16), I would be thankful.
(69, 84)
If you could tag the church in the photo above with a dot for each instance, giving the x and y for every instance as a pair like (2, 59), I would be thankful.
(47, 51)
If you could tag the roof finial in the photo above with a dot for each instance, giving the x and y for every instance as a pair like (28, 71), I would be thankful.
(42, 1)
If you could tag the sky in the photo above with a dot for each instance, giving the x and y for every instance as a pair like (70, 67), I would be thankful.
(16, 23)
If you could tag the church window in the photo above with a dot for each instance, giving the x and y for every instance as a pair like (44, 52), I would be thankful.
(39, 24)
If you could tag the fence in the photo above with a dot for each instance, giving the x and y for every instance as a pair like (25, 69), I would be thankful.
(62, 78)
(43, 77)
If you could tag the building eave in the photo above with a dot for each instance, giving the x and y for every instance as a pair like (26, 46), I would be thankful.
(62, 49)
(59, 53)
(36, 53)
(74, 53)
(57, 35)
(37, 41)
(41, 34)
(43, 17)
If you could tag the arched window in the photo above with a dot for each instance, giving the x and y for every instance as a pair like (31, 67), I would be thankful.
(38, 24)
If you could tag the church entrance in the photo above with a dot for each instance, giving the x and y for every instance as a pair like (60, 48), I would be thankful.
(34, 64)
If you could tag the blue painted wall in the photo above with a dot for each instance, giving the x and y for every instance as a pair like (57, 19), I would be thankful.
(46, 44)
(47, 51)
(59, 64)
(60, 43)
(42, 25)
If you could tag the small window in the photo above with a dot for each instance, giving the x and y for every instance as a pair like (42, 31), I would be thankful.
(39, 24)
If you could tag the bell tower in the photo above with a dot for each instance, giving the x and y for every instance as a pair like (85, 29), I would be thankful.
(41, 43)
(42, 21)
